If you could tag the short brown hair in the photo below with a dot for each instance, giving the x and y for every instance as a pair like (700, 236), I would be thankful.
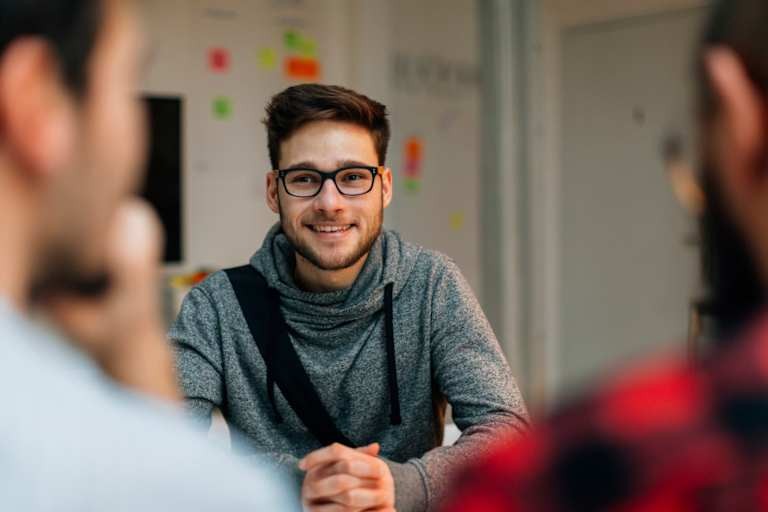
(301, 104)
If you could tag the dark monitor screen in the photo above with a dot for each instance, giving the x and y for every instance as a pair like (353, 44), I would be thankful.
(162, 187)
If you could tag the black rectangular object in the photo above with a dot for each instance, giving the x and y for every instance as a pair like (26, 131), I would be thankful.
(163, 184)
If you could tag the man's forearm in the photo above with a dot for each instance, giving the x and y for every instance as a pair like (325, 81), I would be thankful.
(411, 493)
(421, 484)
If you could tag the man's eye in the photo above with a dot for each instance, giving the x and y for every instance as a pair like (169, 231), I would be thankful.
(306, 178)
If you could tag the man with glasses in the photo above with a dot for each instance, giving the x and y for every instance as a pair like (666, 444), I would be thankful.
(337, 348)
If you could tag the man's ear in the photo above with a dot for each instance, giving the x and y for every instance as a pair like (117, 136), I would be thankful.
(386, 185)
(273, 201)
(740, 130)
(37, 113)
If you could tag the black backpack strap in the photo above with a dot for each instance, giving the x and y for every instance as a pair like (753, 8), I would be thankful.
(261, 309)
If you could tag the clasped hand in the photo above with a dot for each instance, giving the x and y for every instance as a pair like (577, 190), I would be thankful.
(343, 479)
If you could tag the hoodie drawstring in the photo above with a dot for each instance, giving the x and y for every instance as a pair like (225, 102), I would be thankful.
(394, 391)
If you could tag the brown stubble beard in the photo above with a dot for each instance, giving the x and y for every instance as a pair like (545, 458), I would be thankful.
(61, 273)
(63, 265)
(363, 247)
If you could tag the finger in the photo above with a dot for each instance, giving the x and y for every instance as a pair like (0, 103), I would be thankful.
(326, 507)
(372, 449)
(366, 467)
(331, 486)
(330, 453)
(134, 242)
(334, 452)
(359, 498)
(369, 468)
(335, 507)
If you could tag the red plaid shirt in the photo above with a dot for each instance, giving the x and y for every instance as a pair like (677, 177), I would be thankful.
(666, 436)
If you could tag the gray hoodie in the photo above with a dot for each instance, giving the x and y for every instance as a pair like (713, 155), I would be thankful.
(443, 343)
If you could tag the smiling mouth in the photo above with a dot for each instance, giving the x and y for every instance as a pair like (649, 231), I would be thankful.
(339, 228)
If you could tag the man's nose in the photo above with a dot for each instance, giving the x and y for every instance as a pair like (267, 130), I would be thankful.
(329, 199)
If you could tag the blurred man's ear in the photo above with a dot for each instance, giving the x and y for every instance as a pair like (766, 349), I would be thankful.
(386, 185)
(739, 131)
(273, 201)
(37, 113)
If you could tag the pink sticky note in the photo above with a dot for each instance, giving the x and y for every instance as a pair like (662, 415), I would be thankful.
(218, 60)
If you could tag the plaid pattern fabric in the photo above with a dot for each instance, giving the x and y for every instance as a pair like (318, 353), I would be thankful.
(665, 436)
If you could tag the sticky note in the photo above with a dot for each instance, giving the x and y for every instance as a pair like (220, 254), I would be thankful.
(412, 169)
(414, 157)
(299, 68)
(267, 58)
(292, 40)
(218, 60)
(412, 184)
(222, 107)
(308, 47)
(457, 221)
(296, 42)
(414, 148)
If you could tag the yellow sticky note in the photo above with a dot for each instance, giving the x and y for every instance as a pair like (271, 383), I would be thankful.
(457, 221)
(268, 58)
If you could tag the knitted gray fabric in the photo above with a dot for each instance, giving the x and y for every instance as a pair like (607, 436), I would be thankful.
(442, 339)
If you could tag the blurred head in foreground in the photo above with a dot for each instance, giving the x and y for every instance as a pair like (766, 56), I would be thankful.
(71, 145)
(71, 135)
(732, 70)
(670, 434)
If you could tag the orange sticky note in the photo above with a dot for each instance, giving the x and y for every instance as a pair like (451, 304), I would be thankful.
(300, 68)
(414, 149)
(414, 157)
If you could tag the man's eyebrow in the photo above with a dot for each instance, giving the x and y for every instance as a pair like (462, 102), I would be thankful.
(353, 163)
(302, 165)
(307, 164)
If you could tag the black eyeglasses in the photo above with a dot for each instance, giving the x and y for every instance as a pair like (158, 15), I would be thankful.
(350, 181)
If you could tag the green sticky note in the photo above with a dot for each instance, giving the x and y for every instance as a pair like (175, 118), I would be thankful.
(412, 184)
(267, 58)
(292, 40)
(308, 47)
(222, 107)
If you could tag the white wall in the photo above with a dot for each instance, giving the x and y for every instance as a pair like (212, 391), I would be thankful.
(436, 99)
(224, 162)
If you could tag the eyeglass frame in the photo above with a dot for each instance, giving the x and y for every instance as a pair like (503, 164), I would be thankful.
(375, 171)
